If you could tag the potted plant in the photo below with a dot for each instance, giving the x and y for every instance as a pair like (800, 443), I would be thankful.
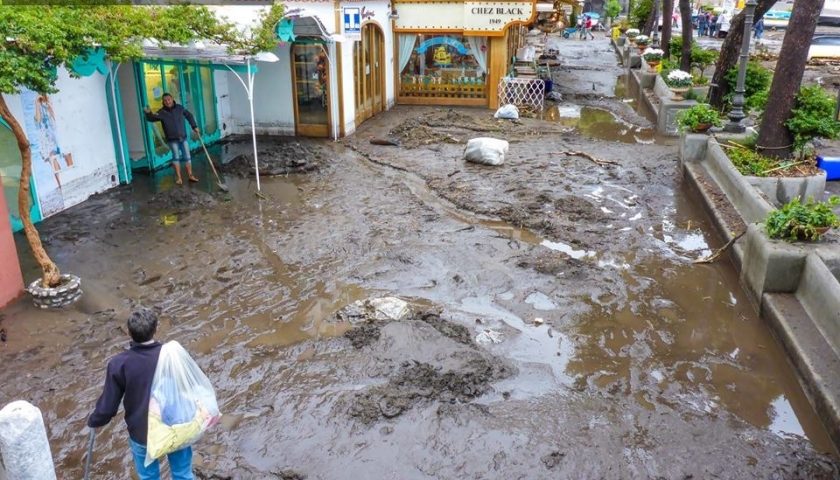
(679, 82)
(642, 42)
(698, 119)
(653, 56)
(797, 221)
(631, 34)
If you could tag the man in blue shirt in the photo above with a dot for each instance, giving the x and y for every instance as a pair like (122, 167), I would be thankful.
(129, 380)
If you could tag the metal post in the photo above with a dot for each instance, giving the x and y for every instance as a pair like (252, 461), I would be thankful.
(253, 130)
(737, 115)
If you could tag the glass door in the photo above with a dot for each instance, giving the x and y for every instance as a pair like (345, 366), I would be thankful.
(191, 85)
(310, 77)
(368, 66)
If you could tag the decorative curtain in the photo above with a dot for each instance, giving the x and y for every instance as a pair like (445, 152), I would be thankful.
(478, 48)
(406, 48)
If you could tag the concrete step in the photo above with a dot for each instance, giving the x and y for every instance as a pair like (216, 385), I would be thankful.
(809, 351)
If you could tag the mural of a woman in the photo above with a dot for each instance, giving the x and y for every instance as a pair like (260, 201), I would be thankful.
(49, 148)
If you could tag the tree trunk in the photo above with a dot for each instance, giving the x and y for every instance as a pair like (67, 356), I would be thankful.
(667, 17)
(653, 16)
(730, 50)
(774, 138)
(51, 276)
(687, 35)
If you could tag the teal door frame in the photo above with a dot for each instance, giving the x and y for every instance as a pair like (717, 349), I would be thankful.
(35, 207)
(153, 159)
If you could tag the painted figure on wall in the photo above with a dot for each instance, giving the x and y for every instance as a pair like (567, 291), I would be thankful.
(50, 149)
(49, 159)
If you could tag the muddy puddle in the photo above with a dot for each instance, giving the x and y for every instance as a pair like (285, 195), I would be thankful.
(580, 331)
(597, 123)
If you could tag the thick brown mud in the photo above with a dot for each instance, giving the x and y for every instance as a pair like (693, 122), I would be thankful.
(558, 327)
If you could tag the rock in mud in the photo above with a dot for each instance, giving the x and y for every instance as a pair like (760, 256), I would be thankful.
(459, 371)
(278, 159)
(363, 335)
(553, 459)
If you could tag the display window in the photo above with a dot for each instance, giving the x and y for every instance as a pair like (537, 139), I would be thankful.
(447, 66)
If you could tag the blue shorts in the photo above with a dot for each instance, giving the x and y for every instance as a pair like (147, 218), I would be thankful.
(180, 150)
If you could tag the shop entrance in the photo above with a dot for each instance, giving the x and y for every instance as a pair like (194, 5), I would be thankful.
(311, 80)
(190, 85)
(368, 70)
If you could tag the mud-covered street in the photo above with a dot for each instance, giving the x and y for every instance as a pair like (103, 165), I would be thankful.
(557, 328)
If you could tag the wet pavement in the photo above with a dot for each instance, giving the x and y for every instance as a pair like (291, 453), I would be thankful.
(559, 326)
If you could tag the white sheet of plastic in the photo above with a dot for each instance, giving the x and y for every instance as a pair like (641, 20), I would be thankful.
(486, 151)
(389, 308)
(24, 448)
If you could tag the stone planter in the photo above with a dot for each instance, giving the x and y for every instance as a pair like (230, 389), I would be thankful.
(621, 41)
(66, 293)
(780, 190)
(678, 93)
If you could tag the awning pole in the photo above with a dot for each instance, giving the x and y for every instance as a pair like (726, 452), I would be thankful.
(117, 118)
(253, 128)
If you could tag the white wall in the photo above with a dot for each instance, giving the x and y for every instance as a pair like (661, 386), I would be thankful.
(273, 93)
(131, 111)
(273, 109)
(83, 128)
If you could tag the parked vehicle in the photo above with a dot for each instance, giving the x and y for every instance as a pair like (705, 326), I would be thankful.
(825, 46)
(776, 19)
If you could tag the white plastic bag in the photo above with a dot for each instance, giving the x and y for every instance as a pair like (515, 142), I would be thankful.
(508, 111)
(486, 151)
(182, 403)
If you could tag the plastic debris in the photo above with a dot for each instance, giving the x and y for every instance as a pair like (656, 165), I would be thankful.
(508, 111)
(488, 337)
(486, 151)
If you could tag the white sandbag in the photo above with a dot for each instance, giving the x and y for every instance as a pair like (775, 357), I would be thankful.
(486, 151)
(508, 111)
(389, 308)
(24, 448)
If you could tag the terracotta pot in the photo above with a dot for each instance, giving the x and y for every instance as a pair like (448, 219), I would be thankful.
(678, 93)
(701, 128)
(653, 64)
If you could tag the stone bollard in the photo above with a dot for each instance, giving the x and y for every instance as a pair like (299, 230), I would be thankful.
(24, 448)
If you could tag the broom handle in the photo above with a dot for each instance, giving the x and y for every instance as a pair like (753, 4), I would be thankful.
(210, 160)
(91, 439)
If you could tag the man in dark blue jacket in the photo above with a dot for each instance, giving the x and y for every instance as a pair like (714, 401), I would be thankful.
(129, 380)
(172, 117)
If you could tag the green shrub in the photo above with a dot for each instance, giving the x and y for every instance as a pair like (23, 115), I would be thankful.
(802, 221)
(701, 58)
(750, 162)
(757, 81)
(813, 116)
(639, 14)
(700, 114)
(675, 47)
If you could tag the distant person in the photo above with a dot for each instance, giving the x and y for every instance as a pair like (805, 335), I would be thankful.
(759, 28)
(587, 27)
(722, 25)
(713, 25)
(702, 25)
(129, 381)
(172, 117)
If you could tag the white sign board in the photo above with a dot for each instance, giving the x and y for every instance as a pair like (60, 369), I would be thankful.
(352, 20)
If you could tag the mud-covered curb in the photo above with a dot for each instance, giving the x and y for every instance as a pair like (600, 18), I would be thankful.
(790, 284)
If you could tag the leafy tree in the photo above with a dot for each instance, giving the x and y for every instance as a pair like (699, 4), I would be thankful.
(640, 13)
(37, 40)
(774, 135)
(612, 9)
(730, 50)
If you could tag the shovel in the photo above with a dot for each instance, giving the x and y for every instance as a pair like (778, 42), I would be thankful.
(219, 182)
(91, 438)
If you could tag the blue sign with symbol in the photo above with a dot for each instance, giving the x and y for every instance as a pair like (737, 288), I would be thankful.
(458, 46)
(353, 22)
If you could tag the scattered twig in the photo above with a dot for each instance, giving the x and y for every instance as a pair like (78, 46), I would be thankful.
(782, 167)
(260, 195)
(714, 256)
(589, 157)
(456, 172)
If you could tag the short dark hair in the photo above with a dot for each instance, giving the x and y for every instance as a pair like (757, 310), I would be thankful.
(167, 95)
(142, 325)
